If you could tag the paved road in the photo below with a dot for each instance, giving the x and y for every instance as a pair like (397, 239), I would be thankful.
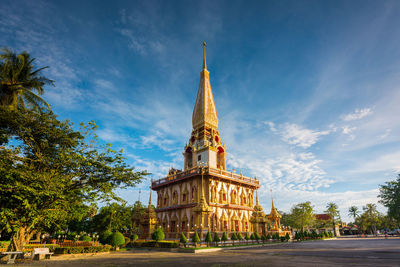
(340, 252)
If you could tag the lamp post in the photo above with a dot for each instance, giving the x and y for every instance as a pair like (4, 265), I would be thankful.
(188, 230)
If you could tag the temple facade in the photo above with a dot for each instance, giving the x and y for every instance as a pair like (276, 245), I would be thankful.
(205, 196)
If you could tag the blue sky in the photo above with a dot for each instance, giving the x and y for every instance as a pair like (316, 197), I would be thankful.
(307, 92)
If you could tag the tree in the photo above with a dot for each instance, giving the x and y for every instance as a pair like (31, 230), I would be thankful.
(370, 218)
(116, 239)
(268, 237)
(333, 211)
(256, 236)
(195, 238)
(20, 82)
(104, 236)
(252, 237)
(302, 215)
(233, 238)
(183, 239)
(390, 197)
(287, 236)
(353, 212)
(224, 237)
(158, 234)
(247, 237)
(208, 239)
(239, 237)
(216, 239)
(49, 170)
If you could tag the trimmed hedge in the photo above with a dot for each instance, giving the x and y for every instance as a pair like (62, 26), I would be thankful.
(30, 247)
(78, 250)
(154, 244)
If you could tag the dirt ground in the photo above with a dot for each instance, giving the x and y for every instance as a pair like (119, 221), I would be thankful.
(339, 252)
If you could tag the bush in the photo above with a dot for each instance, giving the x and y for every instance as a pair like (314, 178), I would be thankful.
(208, 238)
(154, 244)
(239, 237)
(247, 237)
(287, 236)
(30, 247)
(77, 250)
(216, 238)
(252, 237)
(256, 237)
(268, 237)
(158, 234)
(233, 238)
(4, 244)
(283, 239)
(127, 240)
(195, 238)
(104, 236)
(134, 237)
(224, 237)
(263, 238)
(85, 238)
(183, 239)
(116, 239)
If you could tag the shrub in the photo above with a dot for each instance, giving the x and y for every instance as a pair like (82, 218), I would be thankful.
(104, 236)
(116, 239)
(233, 238)
(224, 237)
(216, 239)
(183, 239)
(239, 237)
(252, 237)
(256, 237)
(134, 237)
(268, 237)
(208, 238)
(287, 236)
(263, 238)
(283, 239)
(85, 238)
(30, 247)
(247, 237)
(77, 250)
(154, 244)
(195, 238)
(158, 234)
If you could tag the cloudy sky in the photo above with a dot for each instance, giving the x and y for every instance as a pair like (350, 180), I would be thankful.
(307, 92)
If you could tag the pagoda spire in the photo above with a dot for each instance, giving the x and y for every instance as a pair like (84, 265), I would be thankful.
(204, 112)
(272, 198)
(204, 56)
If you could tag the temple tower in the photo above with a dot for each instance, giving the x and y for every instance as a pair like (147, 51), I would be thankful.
(204, 196)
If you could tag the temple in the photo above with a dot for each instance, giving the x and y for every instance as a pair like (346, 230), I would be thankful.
(205, 196)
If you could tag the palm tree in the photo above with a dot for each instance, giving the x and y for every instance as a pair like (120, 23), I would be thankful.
(333, 210)
(371, 215)
(353, 212)
(20, 82)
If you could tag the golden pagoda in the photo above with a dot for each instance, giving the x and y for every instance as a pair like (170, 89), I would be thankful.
(258, 218)
(147, 222)
(204, 196)
(275, 219)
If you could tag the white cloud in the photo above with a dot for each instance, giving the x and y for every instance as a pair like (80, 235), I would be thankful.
(357, 114)
(296, 135)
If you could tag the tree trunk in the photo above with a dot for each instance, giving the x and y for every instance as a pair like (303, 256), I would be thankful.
(19, 239)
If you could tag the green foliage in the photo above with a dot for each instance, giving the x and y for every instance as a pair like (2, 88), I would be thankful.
(85, 238)
(252, 237)
(114, 217)
(301, 216)
(104, 236)
(78, 250)
(287, 236)
(216, 238)
(195, 238)
(239, 236)
(268, 237)
(134, 237)
(390, 198)
(283, 239)
(154, 244)
(116, 239)
(247, 236)
(276, 236)
(20, 82)
(39, 170)
(158, 234)
(333, 211)
(224, 237)
(183, 239)
(263, 238)
(208, 238)
(256, 236)
(234, 237)
(353, 212)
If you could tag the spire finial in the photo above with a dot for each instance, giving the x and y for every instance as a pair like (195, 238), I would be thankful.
(258, 204)
(150, 194)
(204, 56)
(272, 198)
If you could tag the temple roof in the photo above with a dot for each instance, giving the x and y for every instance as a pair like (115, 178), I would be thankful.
(204, 112)
(274, 213)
